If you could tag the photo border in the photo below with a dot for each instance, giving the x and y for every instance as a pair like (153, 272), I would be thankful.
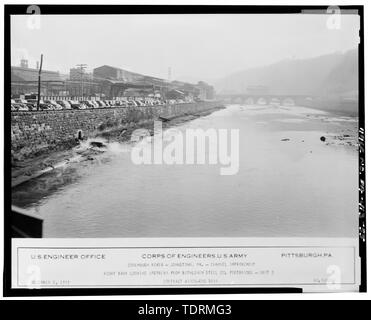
(167, 9)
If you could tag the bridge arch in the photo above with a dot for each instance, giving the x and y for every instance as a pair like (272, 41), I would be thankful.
(249, 101)
(237, 100)
(288, 101)
(274, 101)
(262, 101)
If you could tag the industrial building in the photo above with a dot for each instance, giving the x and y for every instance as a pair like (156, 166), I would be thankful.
(25, 80)
(106, 82)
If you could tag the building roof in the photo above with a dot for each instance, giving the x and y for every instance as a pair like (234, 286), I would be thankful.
(137, 85)
(178, 91)
(120, 69)
(29, 74)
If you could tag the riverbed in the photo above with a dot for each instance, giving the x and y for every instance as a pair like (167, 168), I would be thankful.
(289, 183)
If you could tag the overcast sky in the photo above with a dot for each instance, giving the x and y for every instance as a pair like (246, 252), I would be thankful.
(196, 47)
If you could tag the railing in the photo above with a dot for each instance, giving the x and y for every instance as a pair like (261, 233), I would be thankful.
(66, 98)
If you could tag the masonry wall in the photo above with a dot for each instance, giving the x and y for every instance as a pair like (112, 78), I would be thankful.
(36, 132)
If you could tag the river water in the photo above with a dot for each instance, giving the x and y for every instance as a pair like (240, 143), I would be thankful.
(289, 183)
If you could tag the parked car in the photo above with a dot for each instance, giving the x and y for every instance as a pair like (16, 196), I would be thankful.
(132, 103)
(88, 103)
(83, 105)
(14, 106)
(46, 105)
(64, 104)
(94, 104)
(31, 106)
(74, 104)
(101, 103)
(20, 107)
(53, 104)
(139, 103)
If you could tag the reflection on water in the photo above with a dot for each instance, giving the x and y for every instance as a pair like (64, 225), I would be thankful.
(289, 184)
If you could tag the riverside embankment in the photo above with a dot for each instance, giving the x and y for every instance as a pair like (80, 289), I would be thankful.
(290, 183)
(38, 132)
(45, 140)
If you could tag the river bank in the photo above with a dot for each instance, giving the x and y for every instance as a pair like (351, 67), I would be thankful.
(289, 183)
(334, 129)
(85, 150)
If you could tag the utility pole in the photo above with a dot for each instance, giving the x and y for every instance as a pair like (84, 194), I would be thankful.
(82, 67)
(39, 83)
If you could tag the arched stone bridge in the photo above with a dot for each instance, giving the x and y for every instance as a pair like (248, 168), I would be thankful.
(267, 99)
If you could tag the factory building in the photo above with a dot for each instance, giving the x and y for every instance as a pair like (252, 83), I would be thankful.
(25, 80)
(106, 82)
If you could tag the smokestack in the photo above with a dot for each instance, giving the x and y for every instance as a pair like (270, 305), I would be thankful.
(37, 65)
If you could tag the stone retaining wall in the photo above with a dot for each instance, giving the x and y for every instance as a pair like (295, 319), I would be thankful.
(36, 132)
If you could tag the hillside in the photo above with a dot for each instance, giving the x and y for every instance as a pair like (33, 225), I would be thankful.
(332, 74)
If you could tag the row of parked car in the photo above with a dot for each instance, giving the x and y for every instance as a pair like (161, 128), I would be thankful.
(31, 104)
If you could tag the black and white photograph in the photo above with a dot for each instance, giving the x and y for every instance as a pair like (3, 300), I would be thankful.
(179, 128)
